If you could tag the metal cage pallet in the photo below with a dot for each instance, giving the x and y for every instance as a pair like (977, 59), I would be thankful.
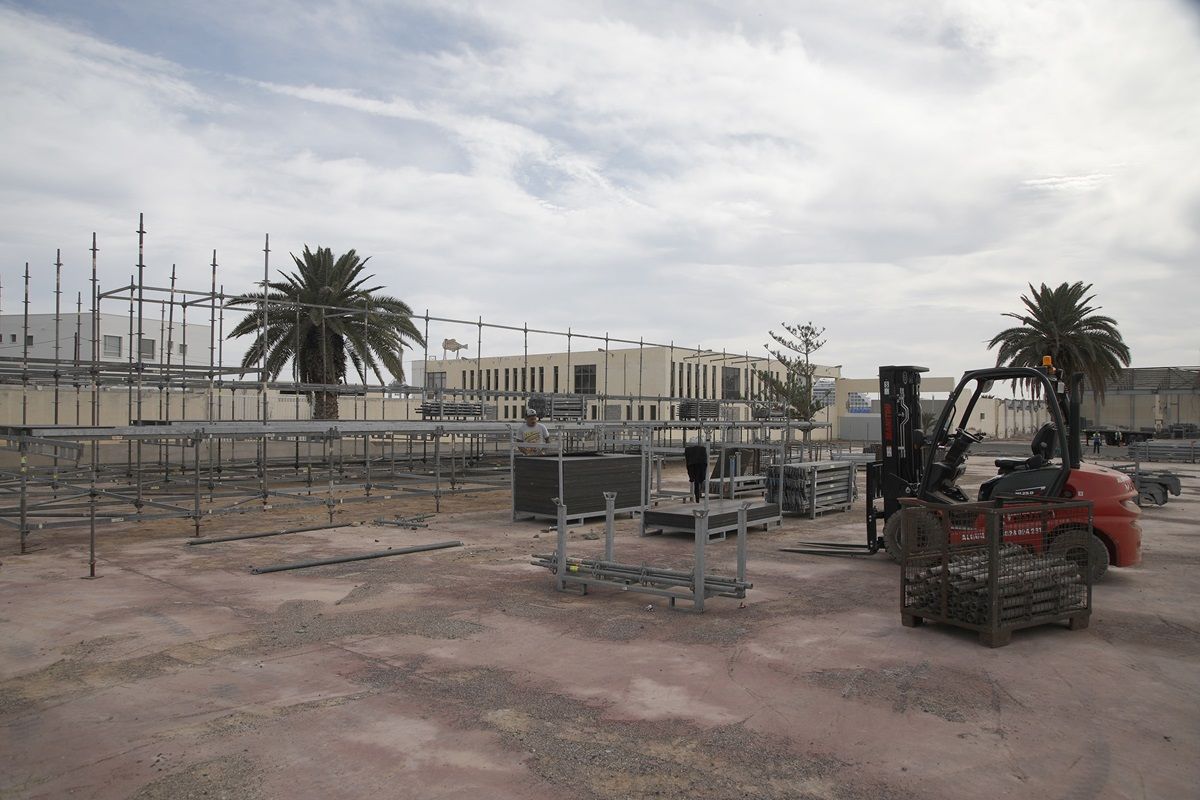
(997, 567)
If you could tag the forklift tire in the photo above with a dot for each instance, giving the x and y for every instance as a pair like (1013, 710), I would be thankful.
(931, 536)
(1077, 545)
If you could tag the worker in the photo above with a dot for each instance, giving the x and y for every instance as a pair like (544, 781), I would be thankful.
(1096, 442)
(696, 458)
(533, 432)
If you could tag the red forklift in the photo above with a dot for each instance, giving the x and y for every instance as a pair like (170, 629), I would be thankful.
(930, 466)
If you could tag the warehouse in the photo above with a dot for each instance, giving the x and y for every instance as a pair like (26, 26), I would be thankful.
(1162, 400)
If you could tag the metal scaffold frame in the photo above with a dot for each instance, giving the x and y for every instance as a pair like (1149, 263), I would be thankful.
(185, 454)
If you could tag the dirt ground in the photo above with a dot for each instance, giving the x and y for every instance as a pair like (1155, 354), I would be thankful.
(461, 673)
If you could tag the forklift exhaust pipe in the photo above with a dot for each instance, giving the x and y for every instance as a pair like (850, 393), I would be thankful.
(1075, 395)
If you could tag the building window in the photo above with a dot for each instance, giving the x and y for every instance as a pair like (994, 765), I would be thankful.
(585, 380)
(12, 337)
(112, 346)
(435, 380)
(731, 383)
(29, 339)
(506, 379)
(556, 379)
(146, 349)
(593, 408)
(641, 412)
(704, 380)
(672, 379)
(463, 385)
(524, 379)
(689, 380)
(653, 413)
(541, 379)
(183, 350)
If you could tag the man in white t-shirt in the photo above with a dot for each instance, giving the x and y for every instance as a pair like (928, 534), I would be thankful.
(533, 432)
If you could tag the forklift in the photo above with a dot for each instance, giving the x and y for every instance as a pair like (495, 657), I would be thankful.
(929, 466)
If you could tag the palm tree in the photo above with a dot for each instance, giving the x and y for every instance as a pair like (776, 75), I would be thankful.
(1060, 323)
(319, 316)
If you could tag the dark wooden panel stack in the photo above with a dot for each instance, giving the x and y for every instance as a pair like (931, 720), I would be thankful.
(721, 513)
(586, 477)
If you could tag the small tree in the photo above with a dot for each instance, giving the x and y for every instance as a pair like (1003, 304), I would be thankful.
(795, 390)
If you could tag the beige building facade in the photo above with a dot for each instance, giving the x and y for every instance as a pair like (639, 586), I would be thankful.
(635, 383)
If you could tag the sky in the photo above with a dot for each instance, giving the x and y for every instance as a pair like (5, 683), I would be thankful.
(896, 171)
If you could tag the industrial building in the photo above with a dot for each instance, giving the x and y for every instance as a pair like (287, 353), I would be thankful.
(69, 337)
(1162, 400)
(628, 383)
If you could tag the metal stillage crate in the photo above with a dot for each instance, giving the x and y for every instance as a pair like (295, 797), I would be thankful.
(998, 566)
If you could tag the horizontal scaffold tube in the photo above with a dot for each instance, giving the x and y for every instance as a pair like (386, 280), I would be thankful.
(399, 551)
(239, 536)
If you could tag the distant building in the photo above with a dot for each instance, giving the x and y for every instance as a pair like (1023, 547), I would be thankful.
(1159, 399)
(188, 345)
(631, 383)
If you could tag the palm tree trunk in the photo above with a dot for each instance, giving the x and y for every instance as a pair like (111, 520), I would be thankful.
(325, 405)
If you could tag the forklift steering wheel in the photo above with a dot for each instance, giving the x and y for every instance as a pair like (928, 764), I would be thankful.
(960, 443)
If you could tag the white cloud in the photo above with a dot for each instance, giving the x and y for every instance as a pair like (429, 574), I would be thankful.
(895, 171)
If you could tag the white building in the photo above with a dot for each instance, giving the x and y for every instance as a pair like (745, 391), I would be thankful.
(73, 339)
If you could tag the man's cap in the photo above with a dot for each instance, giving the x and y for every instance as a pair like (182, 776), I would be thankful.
(529, 412)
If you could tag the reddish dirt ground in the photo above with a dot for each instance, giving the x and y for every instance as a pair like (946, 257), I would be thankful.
(462, 674)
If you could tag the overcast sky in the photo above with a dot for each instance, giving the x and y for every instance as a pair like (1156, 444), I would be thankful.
(895, 171)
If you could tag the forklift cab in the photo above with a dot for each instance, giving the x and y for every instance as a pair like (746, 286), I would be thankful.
(1028, 476)
(1038, 475)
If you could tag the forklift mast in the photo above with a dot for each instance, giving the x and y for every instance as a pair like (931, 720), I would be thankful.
(899, 466)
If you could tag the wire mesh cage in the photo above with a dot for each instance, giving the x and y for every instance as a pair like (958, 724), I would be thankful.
(998, 566)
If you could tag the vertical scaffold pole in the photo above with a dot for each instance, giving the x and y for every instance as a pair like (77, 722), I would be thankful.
(57, 325)
(196, 437)
(78, 355)
(95, 353)
(700, 567)
(560, 548)
(141, 284)
(25, 360)
(23, 449)
(262, 355)
(610, 504)
(92, 497)
(212, 343)
(741, 541)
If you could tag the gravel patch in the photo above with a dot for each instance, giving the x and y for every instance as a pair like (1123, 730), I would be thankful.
(613, 759)
(227, 778)
(952, 694)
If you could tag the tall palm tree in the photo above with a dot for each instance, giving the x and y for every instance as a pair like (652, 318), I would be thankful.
(1060, 322)
(322, 314)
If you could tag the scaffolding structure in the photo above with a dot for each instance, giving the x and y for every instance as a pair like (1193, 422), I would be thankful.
(186, 448)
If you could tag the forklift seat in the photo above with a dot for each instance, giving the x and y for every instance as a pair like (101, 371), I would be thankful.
(1043, 447)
